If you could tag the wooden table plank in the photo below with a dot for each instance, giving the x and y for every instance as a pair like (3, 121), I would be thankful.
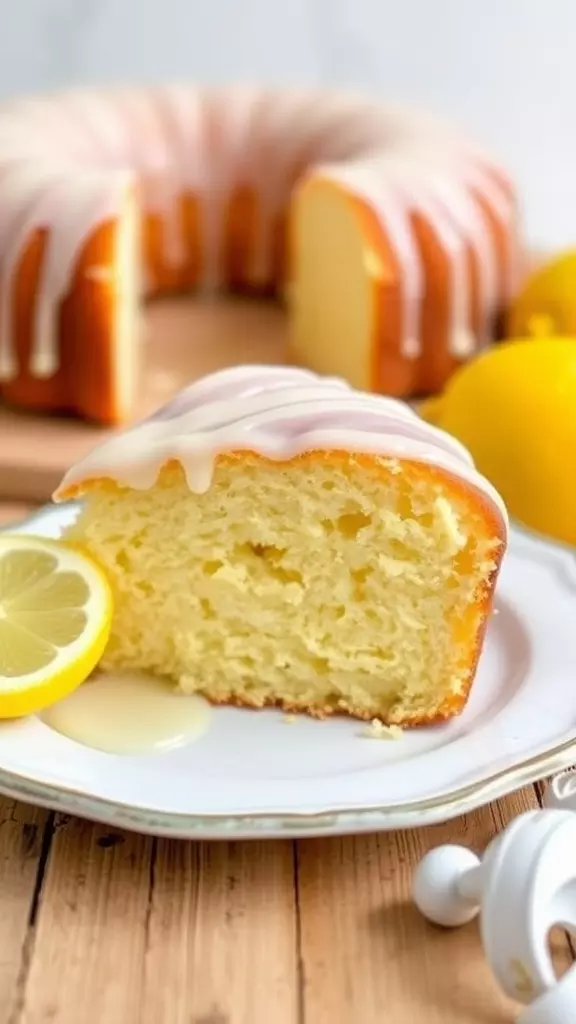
(148, 932)
(222, 935)
(369, 956)
(90, 931)
(24, 835)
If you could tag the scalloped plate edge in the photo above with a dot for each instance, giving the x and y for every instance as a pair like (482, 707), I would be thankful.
(285, 826)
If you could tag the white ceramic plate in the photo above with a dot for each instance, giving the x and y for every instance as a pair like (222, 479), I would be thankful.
(253, 774)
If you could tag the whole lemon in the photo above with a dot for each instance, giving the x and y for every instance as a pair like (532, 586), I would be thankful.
(546, 305)
(514, 408)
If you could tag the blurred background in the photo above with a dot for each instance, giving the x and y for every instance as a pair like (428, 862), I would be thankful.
(505, 69)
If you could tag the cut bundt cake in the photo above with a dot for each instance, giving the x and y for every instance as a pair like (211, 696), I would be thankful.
(277, 538)
(395, 242)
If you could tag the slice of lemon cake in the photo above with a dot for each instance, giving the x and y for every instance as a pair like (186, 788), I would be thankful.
(276, 537)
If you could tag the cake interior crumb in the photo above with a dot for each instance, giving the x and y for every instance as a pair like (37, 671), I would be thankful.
(377, 730)
(333, 583)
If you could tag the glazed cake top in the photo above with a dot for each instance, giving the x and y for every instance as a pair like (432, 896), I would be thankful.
(279, 412)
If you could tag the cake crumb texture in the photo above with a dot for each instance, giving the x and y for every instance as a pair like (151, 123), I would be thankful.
(377, 730)
(330, 583)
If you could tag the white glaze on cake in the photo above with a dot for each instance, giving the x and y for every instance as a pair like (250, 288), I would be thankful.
(49, 200)
(279, 412)
(177, 140)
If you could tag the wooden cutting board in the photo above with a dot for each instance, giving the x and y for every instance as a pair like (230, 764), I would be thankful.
(183, 339)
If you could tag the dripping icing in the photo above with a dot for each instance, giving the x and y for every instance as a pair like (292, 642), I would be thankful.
(280, 413)
(180, 138)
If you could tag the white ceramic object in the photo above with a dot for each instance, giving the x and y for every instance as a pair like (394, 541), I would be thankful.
(560, 793)
(523, 886)
(257, 774)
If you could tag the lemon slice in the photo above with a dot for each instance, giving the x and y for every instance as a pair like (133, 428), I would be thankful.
(55, 616)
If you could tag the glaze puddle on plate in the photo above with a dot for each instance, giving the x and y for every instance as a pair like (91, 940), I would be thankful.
(129, 713)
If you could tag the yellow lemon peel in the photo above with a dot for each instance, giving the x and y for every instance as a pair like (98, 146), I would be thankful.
(55, 617)
(514, 408)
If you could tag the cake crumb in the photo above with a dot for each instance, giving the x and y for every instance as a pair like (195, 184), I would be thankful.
(378, 731)
(450, 524)
(289, 719)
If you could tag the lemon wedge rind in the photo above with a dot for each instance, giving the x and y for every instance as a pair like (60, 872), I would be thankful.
(55, 618)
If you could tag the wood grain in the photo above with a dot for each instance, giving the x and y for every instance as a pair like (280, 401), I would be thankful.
(141, 931)
(222, 934)
(145, 932)
(24, 837)
(90, 932)
(111, 926)
(183, 339)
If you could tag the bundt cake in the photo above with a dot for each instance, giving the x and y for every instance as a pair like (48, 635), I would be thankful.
(395, 242)
(276, 537)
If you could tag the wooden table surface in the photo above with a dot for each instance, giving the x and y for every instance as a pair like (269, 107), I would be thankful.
(101, 927)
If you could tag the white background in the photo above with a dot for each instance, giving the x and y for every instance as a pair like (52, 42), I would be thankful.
(505, 69)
